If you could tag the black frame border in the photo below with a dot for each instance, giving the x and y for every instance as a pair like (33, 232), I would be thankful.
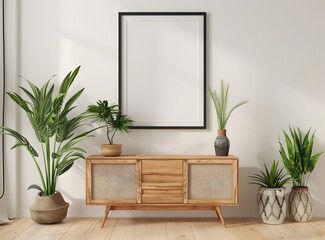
(120, 75)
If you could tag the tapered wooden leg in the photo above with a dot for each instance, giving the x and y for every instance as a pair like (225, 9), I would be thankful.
(107, 209)
(220, 215)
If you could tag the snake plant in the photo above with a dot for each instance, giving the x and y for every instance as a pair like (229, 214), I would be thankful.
(220, 101)
(298, 158)
(55, 130)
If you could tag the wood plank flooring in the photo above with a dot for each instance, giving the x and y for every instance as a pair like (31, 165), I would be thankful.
(162, 229)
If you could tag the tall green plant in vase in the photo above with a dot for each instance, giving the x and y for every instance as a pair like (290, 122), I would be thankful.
(56, 132)
(220, 101)
(299, 162)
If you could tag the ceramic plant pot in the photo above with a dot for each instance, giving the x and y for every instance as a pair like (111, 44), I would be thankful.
(300, 204)
(111, 150)
(271, 205)
(49, 209)
(221, 144)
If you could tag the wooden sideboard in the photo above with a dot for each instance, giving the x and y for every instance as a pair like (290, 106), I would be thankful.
(179, 182)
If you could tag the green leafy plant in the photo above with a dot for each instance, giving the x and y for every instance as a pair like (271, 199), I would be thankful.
(110, 117)
(220, 101)
(298, 158)
(273, 178)
(48, 115)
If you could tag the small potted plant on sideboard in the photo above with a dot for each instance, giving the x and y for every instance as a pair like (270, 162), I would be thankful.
(271, 193)
(110, 117)
(220, 101)
(299, 162)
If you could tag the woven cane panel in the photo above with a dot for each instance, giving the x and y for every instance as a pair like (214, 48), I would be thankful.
(208, 181)
(113, 181)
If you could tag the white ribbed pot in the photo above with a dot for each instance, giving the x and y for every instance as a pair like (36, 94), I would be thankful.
(272, 205)
(300, 204)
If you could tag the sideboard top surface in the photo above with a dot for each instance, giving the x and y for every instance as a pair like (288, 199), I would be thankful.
(163, 157)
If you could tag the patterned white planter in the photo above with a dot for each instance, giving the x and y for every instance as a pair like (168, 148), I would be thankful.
(300, 204)
(272, 205)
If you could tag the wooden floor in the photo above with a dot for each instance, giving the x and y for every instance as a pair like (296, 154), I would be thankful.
(161, 229)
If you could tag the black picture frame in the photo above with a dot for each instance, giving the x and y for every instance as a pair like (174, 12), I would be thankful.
(194, 23)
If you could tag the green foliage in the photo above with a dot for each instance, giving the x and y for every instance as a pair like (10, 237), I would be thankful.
(110, 117)
(48, 115)
(298, 158)
(221, 104)
(273, 178)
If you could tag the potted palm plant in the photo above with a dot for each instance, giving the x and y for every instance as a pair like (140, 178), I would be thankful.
(220, 101)
(108, 116)
(55, 130)
(299, 163)
(271, 193)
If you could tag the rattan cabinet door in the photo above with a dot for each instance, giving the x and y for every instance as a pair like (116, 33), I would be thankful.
(213, 181)
(111, 181)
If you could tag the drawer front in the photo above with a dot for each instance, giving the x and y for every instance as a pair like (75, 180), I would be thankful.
(162, 182)
(162, 178)
(170, 167)
(162, 196)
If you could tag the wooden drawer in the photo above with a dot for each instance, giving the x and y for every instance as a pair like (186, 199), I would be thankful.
(162, 181)
(170, 167)
(162, 196)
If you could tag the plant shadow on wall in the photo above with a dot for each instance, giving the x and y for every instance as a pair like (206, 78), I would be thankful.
(56, 132)
(169, 142)
(247, 195)
(316, 182)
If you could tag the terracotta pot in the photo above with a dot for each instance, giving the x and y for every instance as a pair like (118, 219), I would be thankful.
(300, 204)
(221, 144)
(49, 209)
(111, 150)
(272, 205)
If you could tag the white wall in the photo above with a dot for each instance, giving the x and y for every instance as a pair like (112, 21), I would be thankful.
(271, 52)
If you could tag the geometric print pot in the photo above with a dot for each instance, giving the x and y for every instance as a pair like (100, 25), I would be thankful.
(300, 204)
(271, 205)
